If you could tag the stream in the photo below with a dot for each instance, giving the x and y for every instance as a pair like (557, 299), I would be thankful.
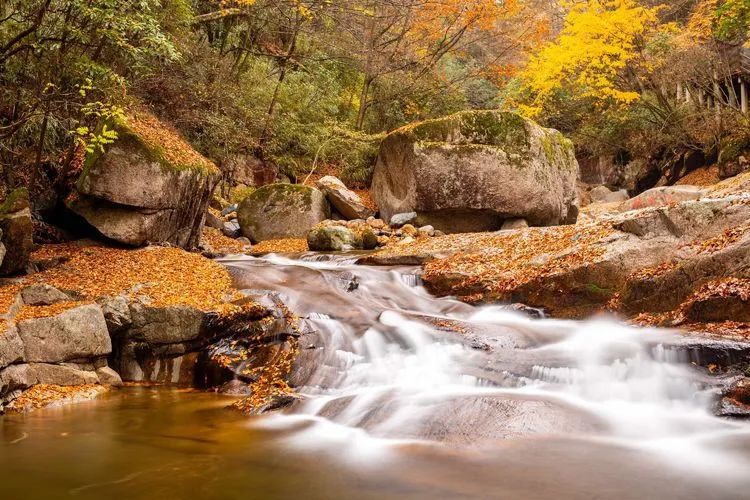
(404, 395)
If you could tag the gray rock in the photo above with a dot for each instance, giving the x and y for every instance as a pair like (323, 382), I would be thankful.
(229, 210)
(663, 196)
(602, 194)
(343, 199)
(116, 313)
(511, 224)
(77, 333)
(16, 230)
(249, 170)
(231, 229)
(455, 172)
(134, 196)
(332, 238)
(214, 221)
(427, 231)
(107, 376)
(42, 294)
(164, 325)
(398, 220)
(62, 375)
(282, 211)
(16, 378)
(11, 346)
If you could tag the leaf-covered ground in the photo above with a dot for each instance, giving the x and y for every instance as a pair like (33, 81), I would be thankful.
(492, 263)
(162, 276)
(43, 395)
(216, 241)
(280, 246)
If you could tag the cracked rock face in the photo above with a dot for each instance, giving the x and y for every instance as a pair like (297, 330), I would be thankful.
(474, 170)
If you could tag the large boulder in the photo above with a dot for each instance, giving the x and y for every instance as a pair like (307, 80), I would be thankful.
(280, 211)
(343, 199)
(473, 170)
(149, 186)
(16, 228)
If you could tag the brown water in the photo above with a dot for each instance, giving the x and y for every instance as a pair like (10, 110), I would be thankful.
(158, 443)
(396, 408)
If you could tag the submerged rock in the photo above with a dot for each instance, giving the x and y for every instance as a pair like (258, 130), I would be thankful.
(456, 172)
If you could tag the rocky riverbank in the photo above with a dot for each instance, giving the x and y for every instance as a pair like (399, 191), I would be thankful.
(670, 262)
(97, 316)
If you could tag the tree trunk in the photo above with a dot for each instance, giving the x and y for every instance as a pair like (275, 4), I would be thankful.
(363, 104)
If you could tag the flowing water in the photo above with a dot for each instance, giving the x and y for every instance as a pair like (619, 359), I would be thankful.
(405, 396)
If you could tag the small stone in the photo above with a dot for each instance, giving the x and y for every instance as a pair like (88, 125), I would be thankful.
(399, 220)
(376, 223)
(406, 241)
(231, 229)
(43, 295)
(409, 230)
(229, 210)
(369, 239)
(427, 231)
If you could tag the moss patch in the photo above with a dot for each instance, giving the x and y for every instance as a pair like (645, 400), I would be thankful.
(18, 199)
(162, 143)
(489, 128)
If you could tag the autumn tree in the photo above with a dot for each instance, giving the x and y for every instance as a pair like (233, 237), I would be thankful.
(407, 40)
(63, 64)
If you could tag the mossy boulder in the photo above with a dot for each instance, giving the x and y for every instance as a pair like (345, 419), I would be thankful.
(149, 186)
(278, 211)
(333, 238)
(16, 228)
(473, 170)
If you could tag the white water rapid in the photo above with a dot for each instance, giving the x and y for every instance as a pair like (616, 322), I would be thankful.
(387, 367)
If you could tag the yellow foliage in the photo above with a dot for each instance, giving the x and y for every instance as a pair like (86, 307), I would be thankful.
(599, 39)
